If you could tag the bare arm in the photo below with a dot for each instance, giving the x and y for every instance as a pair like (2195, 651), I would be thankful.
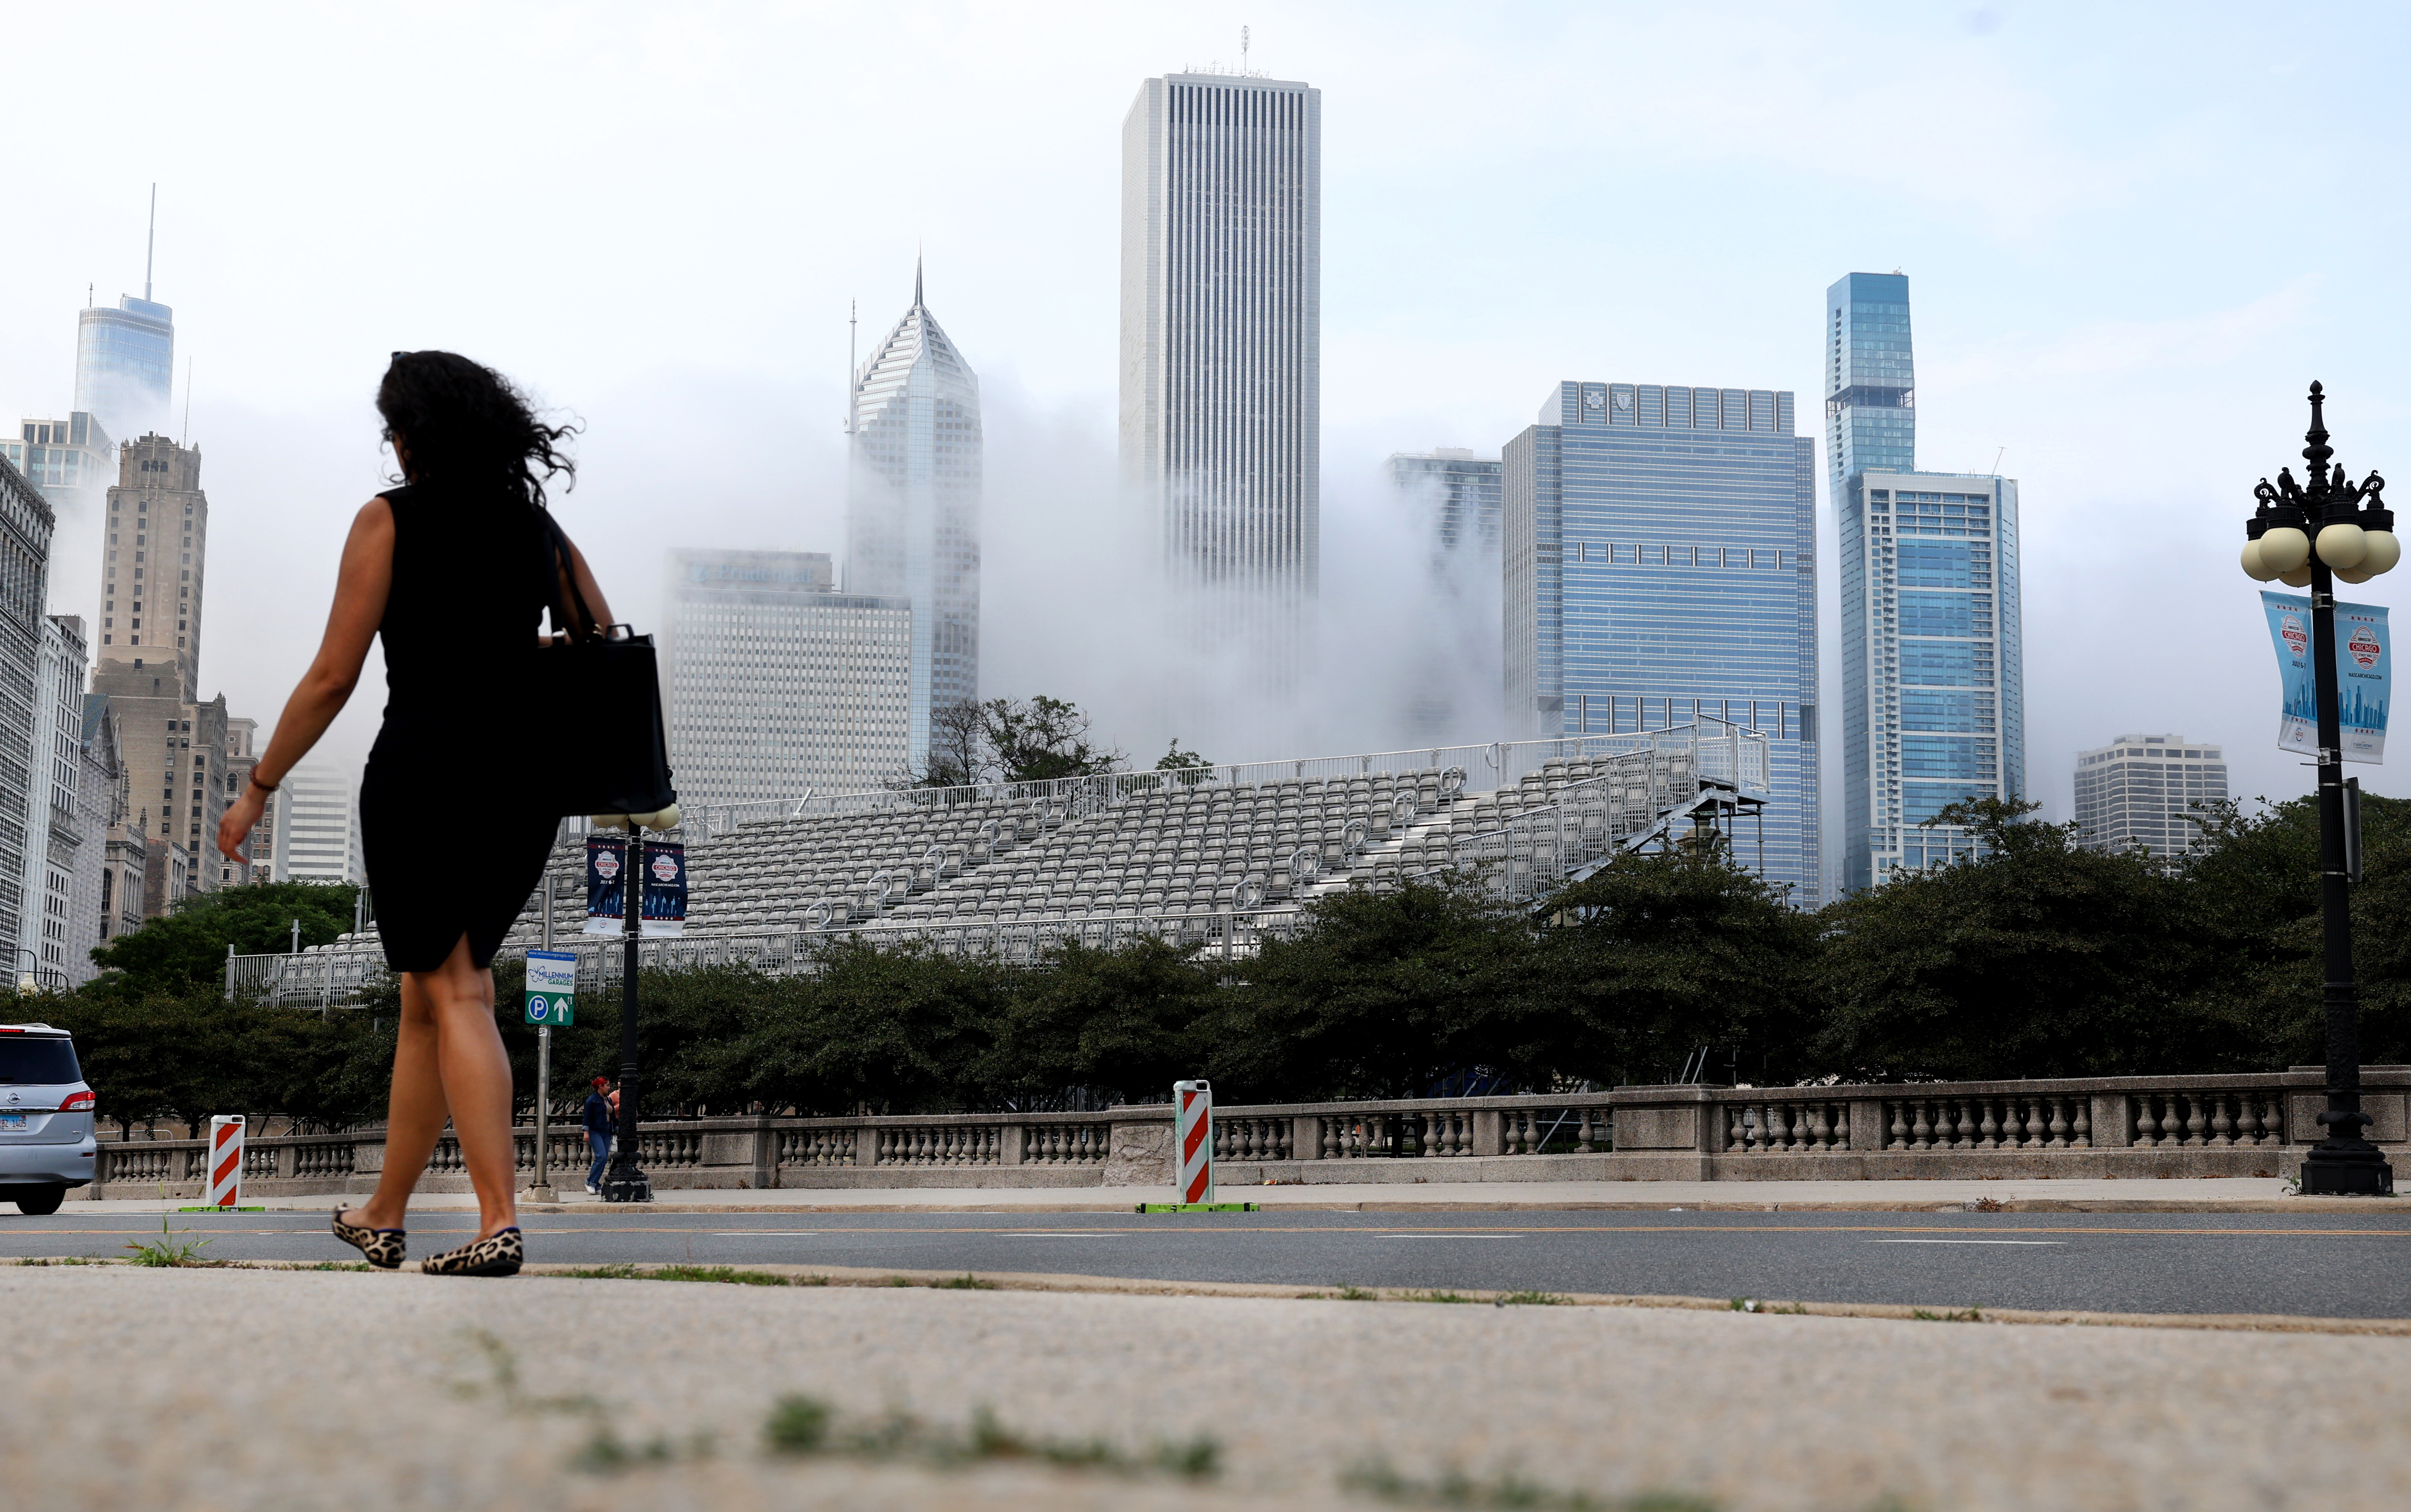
(587, 585)
(360, 588)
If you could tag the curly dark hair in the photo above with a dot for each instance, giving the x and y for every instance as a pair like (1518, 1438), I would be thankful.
(465, 424)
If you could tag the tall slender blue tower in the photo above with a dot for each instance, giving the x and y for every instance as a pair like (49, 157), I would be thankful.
(1932, 674)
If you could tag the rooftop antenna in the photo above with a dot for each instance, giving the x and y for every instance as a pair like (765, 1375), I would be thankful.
(852, 400)
(150, 244)
(1996, 460)
(1242, 53)
(187, 438)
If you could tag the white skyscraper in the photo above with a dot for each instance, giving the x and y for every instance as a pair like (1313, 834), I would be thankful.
(55, 831)
(2138, 790)
(1222, 341)
(913, 502)
(778, 686)
(318, 825)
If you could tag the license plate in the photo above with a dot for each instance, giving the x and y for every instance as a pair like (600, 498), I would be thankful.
(8, 1121)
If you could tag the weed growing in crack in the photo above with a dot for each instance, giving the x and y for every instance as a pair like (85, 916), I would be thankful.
(1375, 1478)
(800, 1425)
(171, 1249)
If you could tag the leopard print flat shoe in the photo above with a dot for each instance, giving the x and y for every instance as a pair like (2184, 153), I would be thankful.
(500, 1255)
(383, 1247)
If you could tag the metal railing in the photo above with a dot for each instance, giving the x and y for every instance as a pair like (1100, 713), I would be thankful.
(1725, 752)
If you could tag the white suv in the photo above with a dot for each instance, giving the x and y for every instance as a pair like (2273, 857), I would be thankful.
(46, 1118)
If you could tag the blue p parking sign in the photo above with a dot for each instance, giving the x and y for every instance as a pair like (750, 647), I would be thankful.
(551, 987)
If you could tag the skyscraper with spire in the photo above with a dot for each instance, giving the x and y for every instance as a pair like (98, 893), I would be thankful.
(125, 358)
(913, 503)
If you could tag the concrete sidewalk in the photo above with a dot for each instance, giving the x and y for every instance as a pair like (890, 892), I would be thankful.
(274, 1390)
(2239, 1195)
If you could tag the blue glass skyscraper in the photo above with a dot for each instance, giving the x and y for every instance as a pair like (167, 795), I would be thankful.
(1932, 680)
(125, 359)
(1659, 566)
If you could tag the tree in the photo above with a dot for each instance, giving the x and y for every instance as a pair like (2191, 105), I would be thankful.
(1126, 1022)
(1655, 957)
(1382, 995)
(1041, 740)
(2035, 957)
(2253, 988)
(959, 756)
(1177, 760)
(184, 950)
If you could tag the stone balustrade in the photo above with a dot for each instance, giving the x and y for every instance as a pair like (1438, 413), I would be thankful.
(2124, 1126)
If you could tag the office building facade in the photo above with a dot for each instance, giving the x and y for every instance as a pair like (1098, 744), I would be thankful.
(2136, 792)
(26, 522)
(110, 864)
(1222, 333)
(776, 685)
(1459, 489)
(155, 554)
(1870, 377)
(1659, 559)
(126, 364)
(56, 825)
(72, 460)
(241, 756)
(913, 516)
(318, 824)
(1449, 499)
(1933, 658)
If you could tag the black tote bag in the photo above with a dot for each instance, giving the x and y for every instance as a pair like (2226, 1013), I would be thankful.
(618, 761)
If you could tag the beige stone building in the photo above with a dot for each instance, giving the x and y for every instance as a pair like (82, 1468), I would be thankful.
(147, 663)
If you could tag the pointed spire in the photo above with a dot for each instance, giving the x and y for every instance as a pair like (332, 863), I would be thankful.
(917, 278)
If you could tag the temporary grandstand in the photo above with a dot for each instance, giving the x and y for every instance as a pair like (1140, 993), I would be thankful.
(1221, 855)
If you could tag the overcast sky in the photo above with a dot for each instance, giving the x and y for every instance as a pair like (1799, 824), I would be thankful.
(2134, 234)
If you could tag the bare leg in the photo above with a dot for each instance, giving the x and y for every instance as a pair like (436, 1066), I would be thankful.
(462, 1053)
(414, 1111)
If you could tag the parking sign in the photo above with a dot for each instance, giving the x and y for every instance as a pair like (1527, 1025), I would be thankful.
(551, 987)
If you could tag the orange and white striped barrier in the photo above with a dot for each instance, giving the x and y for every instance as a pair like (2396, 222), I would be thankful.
(225, 1160)
(1193, 1136)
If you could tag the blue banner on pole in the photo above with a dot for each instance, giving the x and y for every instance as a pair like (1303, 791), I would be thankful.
(664, 887)
(2364, 677)
(607, 884)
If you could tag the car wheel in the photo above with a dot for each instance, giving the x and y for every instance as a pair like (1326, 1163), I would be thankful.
(40, 1201)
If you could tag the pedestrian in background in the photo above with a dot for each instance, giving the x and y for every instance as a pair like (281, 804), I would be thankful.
(598, 1132)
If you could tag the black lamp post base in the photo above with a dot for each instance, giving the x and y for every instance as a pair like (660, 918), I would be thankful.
(2342, 1169)
(626, 1183)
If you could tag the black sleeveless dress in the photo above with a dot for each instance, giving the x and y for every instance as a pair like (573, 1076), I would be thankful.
(453, 829)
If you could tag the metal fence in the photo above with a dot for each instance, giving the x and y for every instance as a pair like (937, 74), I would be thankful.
(1725, 752)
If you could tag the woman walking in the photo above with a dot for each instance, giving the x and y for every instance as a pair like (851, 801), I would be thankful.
(453, 568)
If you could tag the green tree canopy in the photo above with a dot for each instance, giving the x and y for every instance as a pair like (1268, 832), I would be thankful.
(184, 950)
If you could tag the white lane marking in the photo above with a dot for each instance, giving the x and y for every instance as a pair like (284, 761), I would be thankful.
(1019, 1234)
(1443, 1236)
(2044, 1242)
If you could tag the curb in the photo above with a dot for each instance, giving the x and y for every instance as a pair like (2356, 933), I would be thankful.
(884, 1278)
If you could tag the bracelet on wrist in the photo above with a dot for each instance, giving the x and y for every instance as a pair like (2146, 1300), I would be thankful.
(264, 787)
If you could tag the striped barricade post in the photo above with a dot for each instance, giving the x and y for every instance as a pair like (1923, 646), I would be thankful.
(1194, 1135)
(225, 1161)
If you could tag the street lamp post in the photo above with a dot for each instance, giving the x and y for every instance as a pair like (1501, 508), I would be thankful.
(624, 1180)
(2308, 536)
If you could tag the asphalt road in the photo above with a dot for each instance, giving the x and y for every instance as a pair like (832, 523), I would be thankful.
(2326, 1265)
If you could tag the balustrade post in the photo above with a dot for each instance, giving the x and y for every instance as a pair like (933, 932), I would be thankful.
(1489, 1133)
(1009, 1143)
(1868, 1127)
(2113, 1125)
(1306, 1139)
